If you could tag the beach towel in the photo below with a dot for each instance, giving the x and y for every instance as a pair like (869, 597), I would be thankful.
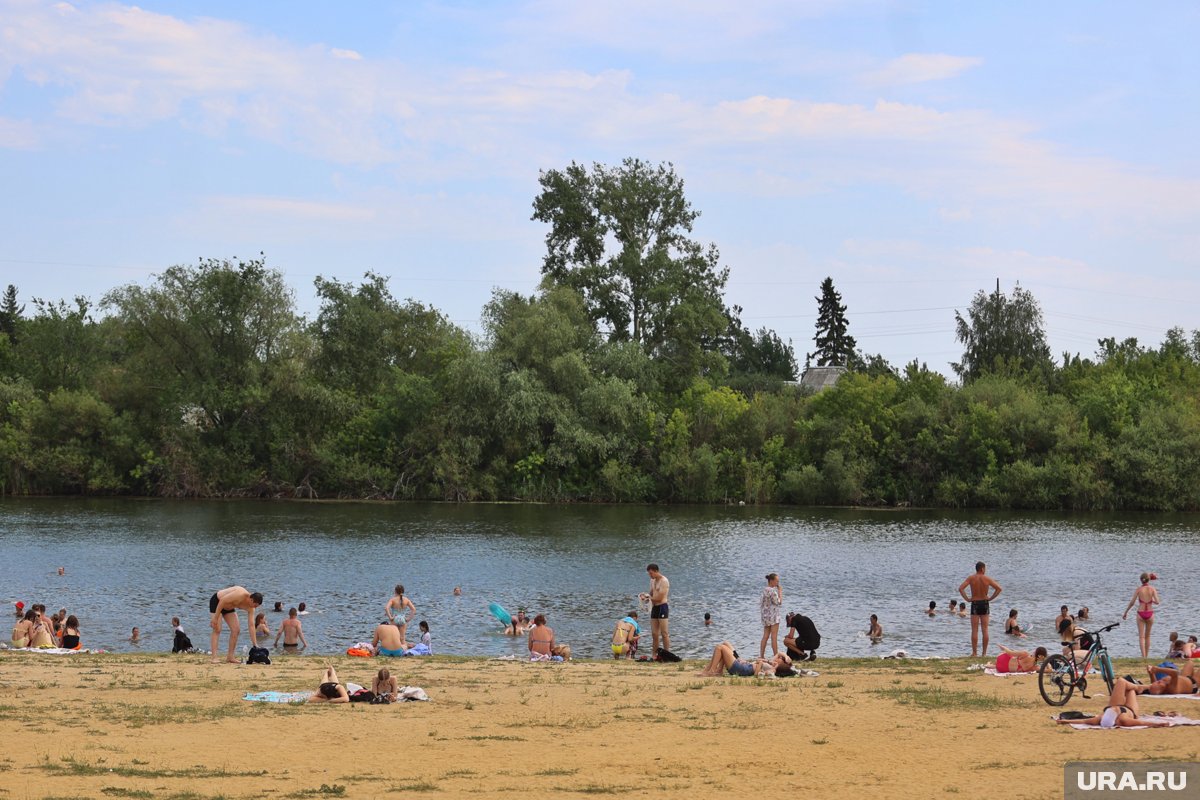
(992, 671)
(276, 697)
(418, 650)
(415, 693)
(51, 651)
(1176, 722)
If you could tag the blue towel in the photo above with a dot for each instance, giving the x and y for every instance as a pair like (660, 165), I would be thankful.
(277, 697)
(418, 650)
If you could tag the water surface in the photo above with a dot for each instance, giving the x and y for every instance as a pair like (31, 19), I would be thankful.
(140, 562)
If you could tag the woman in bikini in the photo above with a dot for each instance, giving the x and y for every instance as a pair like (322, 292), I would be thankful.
(331, 689)
(385, 685)
(70, 633)
(260, 625)
(1019, 660)
(1173, 681)
(541, 638)
(1122, 710)
(1146, 597)
(23, 630)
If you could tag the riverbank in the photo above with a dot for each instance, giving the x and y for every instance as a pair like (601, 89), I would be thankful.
(107, 726)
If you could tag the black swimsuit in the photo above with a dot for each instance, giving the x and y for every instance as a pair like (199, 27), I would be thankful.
(215, 601)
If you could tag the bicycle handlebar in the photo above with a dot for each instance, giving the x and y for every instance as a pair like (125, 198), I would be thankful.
(1108, 628)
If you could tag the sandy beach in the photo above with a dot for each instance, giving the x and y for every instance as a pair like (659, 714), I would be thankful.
(102, 726)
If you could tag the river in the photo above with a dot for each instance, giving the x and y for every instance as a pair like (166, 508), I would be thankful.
(139, 562)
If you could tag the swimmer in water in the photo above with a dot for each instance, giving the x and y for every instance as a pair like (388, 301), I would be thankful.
(932, 611)
(1011, 627)
(875, 632)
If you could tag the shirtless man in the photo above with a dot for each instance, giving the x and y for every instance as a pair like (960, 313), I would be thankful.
(388, 641)
(224, 605)
(660, 590)
(980, 584)
(292, 633)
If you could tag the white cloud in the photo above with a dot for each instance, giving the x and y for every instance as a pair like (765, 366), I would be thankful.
(349, 55)
(921, 68)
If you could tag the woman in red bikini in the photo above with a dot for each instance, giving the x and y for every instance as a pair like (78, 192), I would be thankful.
(1145, 596)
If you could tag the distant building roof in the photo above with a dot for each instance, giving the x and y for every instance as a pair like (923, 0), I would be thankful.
(818, 378)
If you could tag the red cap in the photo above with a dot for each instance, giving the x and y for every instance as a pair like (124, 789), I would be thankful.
(1153, 577)
(20, 605)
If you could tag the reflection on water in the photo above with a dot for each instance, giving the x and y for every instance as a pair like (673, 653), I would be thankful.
(140, 562)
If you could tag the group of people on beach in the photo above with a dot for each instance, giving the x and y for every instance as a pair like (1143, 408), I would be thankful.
(33, 629)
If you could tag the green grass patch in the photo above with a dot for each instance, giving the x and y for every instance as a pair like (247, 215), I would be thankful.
(938, 698)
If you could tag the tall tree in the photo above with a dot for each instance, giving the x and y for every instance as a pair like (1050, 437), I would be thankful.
(1002, 334)
(10, 313)
(619, 236)
(835, 346)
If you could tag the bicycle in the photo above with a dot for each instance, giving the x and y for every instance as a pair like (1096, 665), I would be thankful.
(1060, 675)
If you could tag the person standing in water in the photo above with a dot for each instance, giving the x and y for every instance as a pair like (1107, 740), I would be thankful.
(224, 605)
(981, 596)
(400, 610)
(659, 596)
(1145, 596)
(770, 607)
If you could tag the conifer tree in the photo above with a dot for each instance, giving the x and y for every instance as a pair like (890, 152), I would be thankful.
(835, 346)
(10, 312)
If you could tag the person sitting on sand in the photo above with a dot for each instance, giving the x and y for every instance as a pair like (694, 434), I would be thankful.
(426, 637)
(70, 634)
(22, 632)
(292, 632)
(1075, 640)
(1019, 660)
(541, 638)
(180, 643)
(331, 689)
(1173, 681)
(388, 641)
(1122, 710)
(385, 685)
(724, 659)
(1011, 626)
(875, 632)
(41, 635)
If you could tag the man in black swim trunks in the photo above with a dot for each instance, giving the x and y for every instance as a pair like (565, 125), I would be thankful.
(660, 589)
(981, 598)
(224, 605)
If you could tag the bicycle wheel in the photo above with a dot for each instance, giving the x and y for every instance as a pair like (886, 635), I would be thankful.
(1056, 680)
(1106, 670)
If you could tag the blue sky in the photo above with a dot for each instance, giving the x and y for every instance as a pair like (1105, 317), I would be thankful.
(913, 151)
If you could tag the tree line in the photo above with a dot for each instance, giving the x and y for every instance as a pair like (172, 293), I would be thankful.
(624, 378)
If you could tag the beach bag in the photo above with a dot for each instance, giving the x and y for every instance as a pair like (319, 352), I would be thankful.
(258, 655)
(380, 700)
(358, 652)
(182, 643)
(363, 696)
(666, 656)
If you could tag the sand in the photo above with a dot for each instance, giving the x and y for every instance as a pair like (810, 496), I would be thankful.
(175, 726)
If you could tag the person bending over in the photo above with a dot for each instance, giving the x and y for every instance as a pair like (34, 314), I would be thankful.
(224, 605)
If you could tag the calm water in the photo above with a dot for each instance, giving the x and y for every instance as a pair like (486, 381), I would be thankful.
(140, 562)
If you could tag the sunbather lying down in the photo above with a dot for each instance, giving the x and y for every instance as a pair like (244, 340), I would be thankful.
(725, 659)
(1122, 710)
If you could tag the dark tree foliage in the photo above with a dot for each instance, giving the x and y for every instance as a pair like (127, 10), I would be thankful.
(1002, 335)
(835, 346)
(10, 313)
(759, 359)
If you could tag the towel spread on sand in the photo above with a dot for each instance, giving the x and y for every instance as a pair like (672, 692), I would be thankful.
(277, 697)
(1176, 722)
(992, 671)
(50, 651)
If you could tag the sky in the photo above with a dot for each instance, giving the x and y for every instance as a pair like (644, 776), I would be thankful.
(915, 152)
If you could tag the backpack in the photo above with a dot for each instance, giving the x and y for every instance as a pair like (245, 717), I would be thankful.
(258, 655)
(666, 656)
(182, 643)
